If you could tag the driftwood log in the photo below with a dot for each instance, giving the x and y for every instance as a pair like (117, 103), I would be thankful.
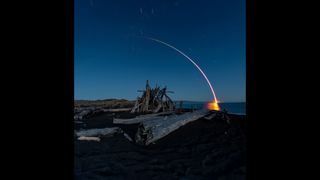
(141, 118)
(83, 113)
(154, 129)
(95, 134)
(99, 132)
(117, 110)
(85, 138)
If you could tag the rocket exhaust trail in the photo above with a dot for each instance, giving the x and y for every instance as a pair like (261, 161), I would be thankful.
(214, 104)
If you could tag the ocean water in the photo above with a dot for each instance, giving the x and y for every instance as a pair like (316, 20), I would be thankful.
(234, 108)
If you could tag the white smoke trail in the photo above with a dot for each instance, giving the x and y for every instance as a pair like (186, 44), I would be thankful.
(203, 74)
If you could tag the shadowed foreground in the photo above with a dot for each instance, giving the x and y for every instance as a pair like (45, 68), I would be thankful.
(204, 149)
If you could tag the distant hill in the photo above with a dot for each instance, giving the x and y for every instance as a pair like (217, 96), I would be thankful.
(105, 103)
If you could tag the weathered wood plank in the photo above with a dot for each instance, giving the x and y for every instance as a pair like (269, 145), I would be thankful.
(141, 118)
(99, 132)
(154, 129)
(85, 138)
(117, 110)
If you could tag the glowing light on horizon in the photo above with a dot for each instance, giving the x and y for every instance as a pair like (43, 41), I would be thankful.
(212, 105)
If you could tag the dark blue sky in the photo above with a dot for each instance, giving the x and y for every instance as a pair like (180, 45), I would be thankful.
(112, 61)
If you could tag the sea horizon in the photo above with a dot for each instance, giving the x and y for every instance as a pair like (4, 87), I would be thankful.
(105, 99)
(230, 107)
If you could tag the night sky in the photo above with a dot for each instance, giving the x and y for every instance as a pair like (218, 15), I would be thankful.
(113, 61)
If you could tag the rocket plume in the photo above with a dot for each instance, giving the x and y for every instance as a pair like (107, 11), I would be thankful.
(211, 105)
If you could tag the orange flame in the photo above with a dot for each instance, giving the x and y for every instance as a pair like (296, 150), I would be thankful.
(213, 105)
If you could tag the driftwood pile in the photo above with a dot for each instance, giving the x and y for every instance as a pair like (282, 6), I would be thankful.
(152, 127)
(153, 100)
(158, 118)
